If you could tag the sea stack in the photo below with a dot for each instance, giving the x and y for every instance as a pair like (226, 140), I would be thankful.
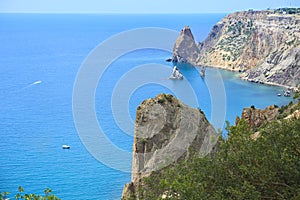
(185, 49)
(166, 131)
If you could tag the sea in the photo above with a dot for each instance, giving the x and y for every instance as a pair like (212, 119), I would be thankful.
(41, 57)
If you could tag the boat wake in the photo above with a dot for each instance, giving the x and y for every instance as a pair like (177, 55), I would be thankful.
(32, 84)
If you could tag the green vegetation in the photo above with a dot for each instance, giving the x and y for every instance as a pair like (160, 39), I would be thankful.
(165, 97)
(287, 11)
(21, 195)
(169, 97)
(161, 100)
(297, 94)
(245, 167)
(287, 110)
(238, 32)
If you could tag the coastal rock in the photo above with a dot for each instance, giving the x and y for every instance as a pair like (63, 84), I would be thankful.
(185, 49)
(128, 191)
(166, 131)
(295, 114)
(256, 117)
(265, 45)
(281, 68)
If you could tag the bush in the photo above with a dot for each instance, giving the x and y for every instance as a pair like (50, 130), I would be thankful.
(161, 100)
(20, 195)
(267, 167)
(169, 97)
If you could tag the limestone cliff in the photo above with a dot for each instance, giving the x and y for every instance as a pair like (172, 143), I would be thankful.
(185, 49)
(265, 45)
(166, 131)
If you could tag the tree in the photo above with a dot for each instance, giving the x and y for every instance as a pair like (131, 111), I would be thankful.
(265, 167)
(20, 195)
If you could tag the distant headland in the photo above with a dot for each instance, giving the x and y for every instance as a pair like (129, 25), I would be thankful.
(263, 45)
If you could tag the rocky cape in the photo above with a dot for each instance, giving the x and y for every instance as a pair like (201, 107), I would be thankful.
(263, 45)
(166, 131)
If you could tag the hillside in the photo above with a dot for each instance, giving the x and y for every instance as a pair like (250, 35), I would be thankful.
(264, 45)
(257, 161)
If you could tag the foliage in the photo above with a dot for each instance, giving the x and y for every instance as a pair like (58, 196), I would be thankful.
(288, 10)
(297, 94)
(20, 195)
(169, 97)
(265, 167)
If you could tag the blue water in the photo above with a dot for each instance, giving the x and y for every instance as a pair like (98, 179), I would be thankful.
(36, 119)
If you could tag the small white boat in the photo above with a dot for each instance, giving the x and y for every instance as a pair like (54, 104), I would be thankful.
(287, 93)
(279, 94)
(66, 146)
(176, 74)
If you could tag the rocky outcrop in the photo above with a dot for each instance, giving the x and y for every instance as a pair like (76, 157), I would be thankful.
(281, 68)
(295, 114)
(265, 45)
(166, 131)
(185, 49)
(256, 117)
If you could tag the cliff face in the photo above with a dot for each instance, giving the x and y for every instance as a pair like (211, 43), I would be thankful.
(185, 49)
(280, 68)
(265, 45)
(166, 131)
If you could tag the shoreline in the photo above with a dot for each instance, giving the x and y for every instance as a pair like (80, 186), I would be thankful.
(239, 74)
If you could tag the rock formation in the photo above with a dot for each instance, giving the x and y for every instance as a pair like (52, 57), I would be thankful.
(185, 49)
(166, 131)
(256, 117)
(265, 45)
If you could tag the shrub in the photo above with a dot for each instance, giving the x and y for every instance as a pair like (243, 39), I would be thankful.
(244, 168)
(21, 195)
(169, 97)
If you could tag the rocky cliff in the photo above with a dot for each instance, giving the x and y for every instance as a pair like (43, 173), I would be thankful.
(166, 131)
(185, 49)
(265, 45)
(256, 117)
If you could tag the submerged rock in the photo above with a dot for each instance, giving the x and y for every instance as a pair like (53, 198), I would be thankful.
(169, 60)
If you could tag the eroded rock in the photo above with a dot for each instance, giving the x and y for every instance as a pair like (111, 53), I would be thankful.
(166, 131)
(185, 49)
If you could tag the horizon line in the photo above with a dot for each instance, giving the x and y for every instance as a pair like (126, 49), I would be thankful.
(130, 13)
(140, 13)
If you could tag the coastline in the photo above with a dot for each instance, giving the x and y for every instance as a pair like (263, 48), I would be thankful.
(262, 45)
(240, 76)
(294, 89)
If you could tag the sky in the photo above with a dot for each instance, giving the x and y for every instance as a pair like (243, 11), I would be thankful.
(140, 6)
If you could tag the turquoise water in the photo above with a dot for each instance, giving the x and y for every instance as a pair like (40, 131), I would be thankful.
(36, 119)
